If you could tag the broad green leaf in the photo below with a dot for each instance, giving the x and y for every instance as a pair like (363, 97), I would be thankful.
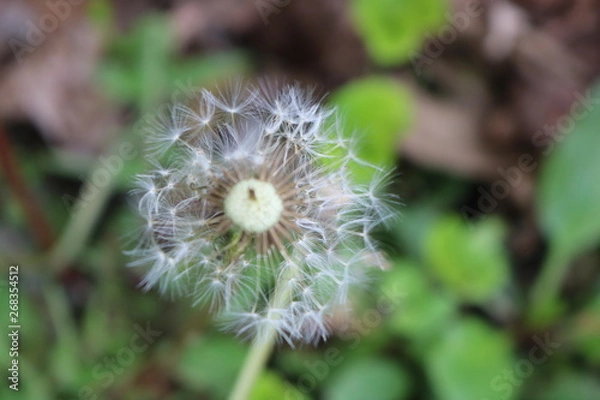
(568, 201)
(368, 378)
(379, 110)
(469, 361)
(569, 191)
(270, 386)
(211, 364)
(422, 312)
(469, 260)
(394, 30)
(413, 228)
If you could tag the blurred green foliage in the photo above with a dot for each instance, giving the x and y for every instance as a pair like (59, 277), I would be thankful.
(438, 325)
(569, 204)
(211, 363)
(469, 260)
(348, 383)
(569, 385)
(141, 66)
(379, 110)
(394, 30)
(424, 309)
(569, 192)
(465, 361)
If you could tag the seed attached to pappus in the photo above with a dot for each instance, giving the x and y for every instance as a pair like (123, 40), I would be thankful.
(255, 212)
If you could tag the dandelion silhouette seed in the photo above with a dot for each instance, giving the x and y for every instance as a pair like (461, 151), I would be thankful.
(256, 214)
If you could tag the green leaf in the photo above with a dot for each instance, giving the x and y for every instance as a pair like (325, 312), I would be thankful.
(393, 30)
(569, 194)
(422, 311)
(141, 66)
(380, 110)
(270, 386)
(412, 230)
(468, 363)
(211, 364)
(469, 260)
(568, 204)
(138, 68)
(368, 378)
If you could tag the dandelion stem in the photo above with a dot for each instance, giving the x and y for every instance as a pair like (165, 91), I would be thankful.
(263, 345)
(255, 362)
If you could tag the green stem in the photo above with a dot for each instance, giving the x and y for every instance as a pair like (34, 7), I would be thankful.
(254, 364)
(86, 212)
(263, 346)
(545, 291)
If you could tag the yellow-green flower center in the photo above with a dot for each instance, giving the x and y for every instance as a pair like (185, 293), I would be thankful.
(253, 205)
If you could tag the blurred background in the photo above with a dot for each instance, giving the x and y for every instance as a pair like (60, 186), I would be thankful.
(487, 109)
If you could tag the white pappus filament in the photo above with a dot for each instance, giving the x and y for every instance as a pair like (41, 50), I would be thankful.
(254, 212)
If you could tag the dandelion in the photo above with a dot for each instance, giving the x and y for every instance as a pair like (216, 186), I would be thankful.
(255, 213)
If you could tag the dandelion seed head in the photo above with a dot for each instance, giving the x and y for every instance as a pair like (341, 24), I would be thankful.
(255, 215)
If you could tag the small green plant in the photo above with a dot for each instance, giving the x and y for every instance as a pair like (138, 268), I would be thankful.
(394, 30)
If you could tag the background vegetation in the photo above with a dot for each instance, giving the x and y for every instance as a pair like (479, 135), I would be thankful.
(488, 110)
